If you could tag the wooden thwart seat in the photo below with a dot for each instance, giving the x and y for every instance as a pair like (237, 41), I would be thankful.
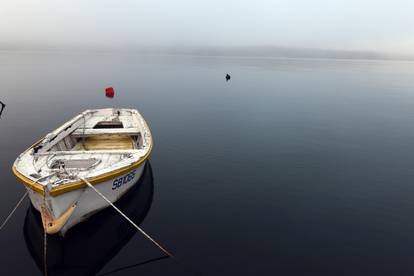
(99, 131)
(107, 142)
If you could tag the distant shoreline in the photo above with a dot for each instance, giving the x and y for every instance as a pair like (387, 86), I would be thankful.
(237, 52)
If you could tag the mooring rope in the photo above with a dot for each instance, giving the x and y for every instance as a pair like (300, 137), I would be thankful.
(44, 252)
(14, 209)
(190, 269)
(127, 218)
(44, 238)
(133, 265)
(20, 202)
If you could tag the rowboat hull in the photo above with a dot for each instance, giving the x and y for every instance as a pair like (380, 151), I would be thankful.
(107, 148)
(78, 205)
(89, 246)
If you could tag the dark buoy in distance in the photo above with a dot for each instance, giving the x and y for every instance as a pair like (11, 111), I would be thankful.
(109, 92)
(228, 77)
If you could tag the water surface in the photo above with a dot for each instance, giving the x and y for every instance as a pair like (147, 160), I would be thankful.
(294, 167)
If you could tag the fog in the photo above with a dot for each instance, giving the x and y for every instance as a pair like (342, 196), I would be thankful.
(351, 25)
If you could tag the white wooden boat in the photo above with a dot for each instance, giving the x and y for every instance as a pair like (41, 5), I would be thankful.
(82, 251)
(107, 147)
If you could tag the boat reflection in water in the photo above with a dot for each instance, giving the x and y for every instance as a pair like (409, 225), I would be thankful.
(89, 246)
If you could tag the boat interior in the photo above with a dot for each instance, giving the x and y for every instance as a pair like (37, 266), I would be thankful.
(117, 130)
(93, 142)
(100, 138)
(92, 139)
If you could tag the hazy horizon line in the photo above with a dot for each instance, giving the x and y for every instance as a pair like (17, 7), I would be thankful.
(273, 51)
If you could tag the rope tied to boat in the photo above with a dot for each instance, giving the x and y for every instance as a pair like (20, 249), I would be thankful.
(44, 238)
(127, 218)
(190, 269)
(20, 202)
(14, 209)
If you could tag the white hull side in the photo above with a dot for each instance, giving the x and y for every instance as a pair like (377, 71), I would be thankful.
(87, 200)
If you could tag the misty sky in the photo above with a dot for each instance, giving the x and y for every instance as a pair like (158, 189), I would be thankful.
(386, 26)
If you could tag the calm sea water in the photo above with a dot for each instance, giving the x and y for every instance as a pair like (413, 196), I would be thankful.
(294, 167)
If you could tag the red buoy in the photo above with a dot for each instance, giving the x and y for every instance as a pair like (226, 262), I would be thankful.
(109, 92)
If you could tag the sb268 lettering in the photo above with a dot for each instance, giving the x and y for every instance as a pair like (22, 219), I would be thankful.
(123, 180)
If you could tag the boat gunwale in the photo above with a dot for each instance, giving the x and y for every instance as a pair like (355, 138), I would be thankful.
(81, 184)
